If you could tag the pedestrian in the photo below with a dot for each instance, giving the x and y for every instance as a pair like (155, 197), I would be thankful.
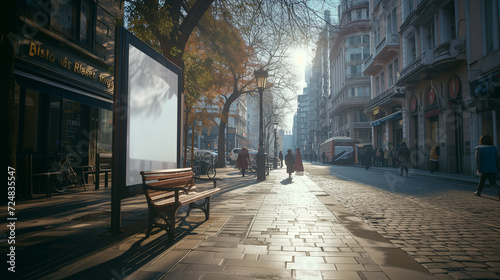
(403, 157)
(290, 163)
(379, 157)
(386, 157)
(434, 158)
(323, 157)
(243, 160)
(487, 163)
(299, 167)
(281, 158)
(394, 156)
(389, 156)
(368, 157)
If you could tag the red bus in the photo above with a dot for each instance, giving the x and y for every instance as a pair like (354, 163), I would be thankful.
(338, 150)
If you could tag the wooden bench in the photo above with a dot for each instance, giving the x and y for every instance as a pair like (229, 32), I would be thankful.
(167, 190)
(103, 164)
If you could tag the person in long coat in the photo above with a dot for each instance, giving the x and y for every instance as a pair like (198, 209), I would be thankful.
(487, 163)
(280, 156)
(290, 163)
(243, 160)
(298, 161)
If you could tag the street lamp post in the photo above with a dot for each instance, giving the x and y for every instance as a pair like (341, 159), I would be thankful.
(275, 160)
(261, 78)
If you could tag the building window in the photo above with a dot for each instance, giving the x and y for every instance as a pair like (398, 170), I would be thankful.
(428, 36)
(410, 49)
(391, 22)
(377, 86)
(390, 78)
(382, 81)
(448, 26)
(63, 17)
(491, 34)
(407, 8)
(73, 18)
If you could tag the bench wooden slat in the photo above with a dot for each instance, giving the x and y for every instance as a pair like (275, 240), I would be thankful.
(167, 190)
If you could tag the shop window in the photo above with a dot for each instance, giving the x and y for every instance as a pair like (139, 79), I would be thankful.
(54, 128)
(105, 133)
(31, 108)
(74, 127)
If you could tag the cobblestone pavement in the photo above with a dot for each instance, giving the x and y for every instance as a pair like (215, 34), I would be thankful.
(439, 222)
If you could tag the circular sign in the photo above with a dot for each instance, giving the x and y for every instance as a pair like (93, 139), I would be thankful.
(413, 103)
(454, 87)
(431, 96)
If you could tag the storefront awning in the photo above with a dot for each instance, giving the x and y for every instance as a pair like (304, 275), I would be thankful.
(382, 120)
(63, 91)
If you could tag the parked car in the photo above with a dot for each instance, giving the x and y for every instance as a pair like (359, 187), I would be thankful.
(233, 156)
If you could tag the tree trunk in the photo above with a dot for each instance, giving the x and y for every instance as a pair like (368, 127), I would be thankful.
(221, 141)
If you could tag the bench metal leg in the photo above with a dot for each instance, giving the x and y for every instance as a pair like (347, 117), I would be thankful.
(205, 207)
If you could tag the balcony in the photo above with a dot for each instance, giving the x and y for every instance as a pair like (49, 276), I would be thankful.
(385, 50)
(384, 98)
(347, 102)
(411, 73)
(432, 62)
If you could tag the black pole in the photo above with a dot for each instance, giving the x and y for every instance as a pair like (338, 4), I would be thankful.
(261, 157)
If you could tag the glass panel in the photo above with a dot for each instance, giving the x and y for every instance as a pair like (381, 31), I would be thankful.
(74, 129)
(63, 17)
(54, 125)
(85, 23)
(31, 107)
(105, 135)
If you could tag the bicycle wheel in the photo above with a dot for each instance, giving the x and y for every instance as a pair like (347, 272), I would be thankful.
(60, 183)
(211, 171)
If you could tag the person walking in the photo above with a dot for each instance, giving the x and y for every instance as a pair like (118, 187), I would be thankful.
(290, 163)
(323, 157)
(280, 156)
(243, 160)
(394, 156)
(386, 157)
(368, 157)
(487, 163)
(299, 167)
(403, 157)
(434, 157)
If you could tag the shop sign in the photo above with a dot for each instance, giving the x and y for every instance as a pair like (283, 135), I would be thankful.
(454, 87)
(376, 111)
(488, 86)
(56, 59)
(432, 113)
(431, 96)
(413, 103)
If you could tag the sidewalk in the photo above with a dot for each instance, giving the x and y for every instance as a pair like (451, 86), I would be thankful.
(276, 229)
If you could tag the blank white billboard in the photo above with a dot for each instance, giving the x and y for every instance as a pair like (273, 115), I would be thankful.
(152, 127)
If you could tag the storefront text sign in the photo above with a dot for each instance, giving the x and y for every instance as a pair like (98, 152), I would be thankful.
(37, 50)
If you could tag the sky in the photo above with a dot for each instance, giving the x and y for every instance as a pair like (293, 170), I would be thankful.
(302, 56)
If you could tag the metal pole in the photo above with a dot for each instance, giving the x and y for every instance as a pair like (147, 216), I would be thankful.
(275, 161)
(261, 157)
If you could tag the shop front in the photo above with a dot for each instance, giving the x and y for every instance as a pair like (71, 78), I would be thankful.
(63, 106)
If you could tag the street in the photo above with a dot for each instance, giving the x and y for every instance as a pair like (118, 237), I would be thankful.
(439, 222)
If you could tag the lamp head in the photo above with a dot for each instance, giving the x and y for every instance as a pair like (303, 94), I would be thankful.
(261, 78)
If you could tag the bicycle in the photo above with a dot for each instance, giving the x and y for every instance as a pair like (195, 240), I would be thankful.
(67, 175)
(202, 166)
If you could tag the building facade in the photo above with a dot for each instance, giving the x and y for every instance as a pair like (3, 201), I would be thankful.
(349, 88)
(64, 76)
(435, 69)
